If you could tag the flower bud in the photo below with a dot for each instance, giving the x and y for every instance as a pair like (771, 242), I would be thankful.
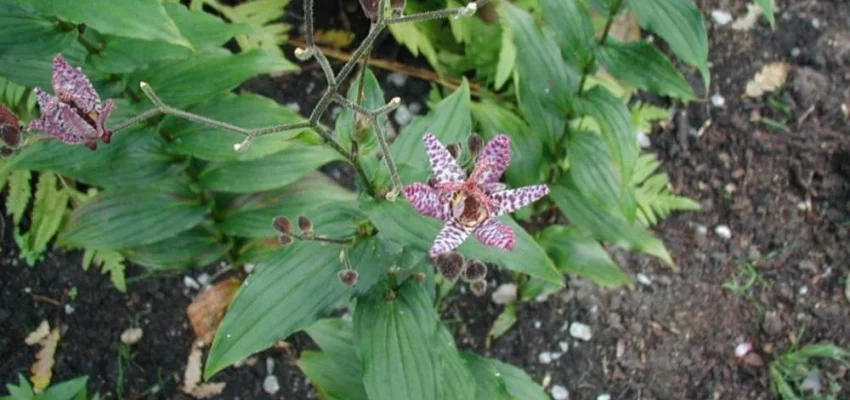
(283, 225)
(398, 7)
(305, 225)
(420, 276)
(348, 277)
(449, 265)
(454, 149)
(285, 240)
(10, 128)
(478, 288)
(370, 8)
(475, 271)
(475, 143)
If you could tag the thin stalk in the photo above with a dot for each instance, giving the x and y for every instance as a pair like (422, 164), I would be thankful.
(388, 159)
(139, 118)
(602, 39)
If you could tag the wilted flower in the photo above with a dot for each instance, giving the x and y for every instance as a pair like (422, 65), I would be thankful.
(282, 225)
(10, 128)
(75, 114)
(470, 205)
(306, 226)
(474, 271)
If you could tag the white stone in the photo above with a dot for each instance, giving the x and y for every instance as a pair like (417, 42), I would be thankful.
(397, 79)
(604, 396)
(271, 385)
(721, 17)
(580, 331)
(718, 101)
(702, 230)
(544, 357)
(643, 279)
(743, 349)
(131, 336)
(402, 115)
(69, 309)
(559, 392)
(191, 283)
(643, 140)
(564, 346)
(204, 279)
(249, 268)
(723, 231)
(537, 324)
(505, 293)
(804, 290)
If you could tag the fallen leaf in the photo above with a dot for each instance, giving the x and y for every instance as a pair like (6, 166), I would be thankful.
(771, 77)
(192, 376)
(38, 334)
(207, 310)
(749, 20)
(42, 369)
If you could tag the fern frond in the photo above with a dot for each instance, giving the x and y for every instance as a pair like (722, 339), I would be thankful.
(654, 198)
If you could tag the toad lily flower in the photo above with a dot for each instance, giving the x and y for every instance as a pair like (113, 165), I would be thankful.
(76, 114)
(470, 205)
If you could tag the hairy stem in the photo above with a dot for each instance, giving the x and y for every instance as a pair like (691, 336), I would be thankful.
(385, 151)
(139, 118)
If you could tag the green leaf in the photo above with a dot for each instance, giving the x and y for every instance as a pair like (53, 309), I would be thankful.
(196, 247)
(287, 293)
(185, 82)
(576, 253)
(134, 158)
(271, 172)
(65, 390)
(346, 122)
(335, 337)
(36, 72)
(455, 374)
(48, 209)
(141, 19)
(544, 81)
(654, 199)
(122, 55)
(573, 29)
(395, 335)
(336, 371)
(615, 124)
(414, 38)
(504, 322)
(591, 169)
(605, 225)
(109, 261)
(399, 222)
(643, 66)
(29, 36)
(315, 195)
(767, 7)
(507, 56)
(488, 382)
(127, 218)
(19, 195)
(203, 29)
(449, 121)
(212, 144)
(519, 384)
(680, 24)
(503, 381)
(526, 147)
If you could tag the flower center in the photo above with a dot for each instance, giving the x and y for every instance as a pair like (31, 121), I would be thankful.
(467, 210)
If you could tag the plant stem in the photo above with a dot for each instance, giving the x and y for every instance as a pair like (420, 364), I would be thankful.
(139, 118)
(385, 151)
(602, 39)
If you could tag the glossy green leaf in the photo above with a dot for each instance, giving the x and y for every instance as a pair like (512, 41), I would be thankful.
(271, 172)
(605, 225)
(507, 56)
(503, 381)
(122, 55)
(196, 247)
(643, 66)
(526, 146)
(48, 209)
(455, 374)
(127, 218)
(24, 35)
(769, 13)
(395, 336)
(134, 158)
(544, 81)
(251, 215)
(576, 253)
(287, 293)
(141, 19)
(399, 222)
(336, 371)
(488, 382)
(212, 144)
(346, 122)
(449, 121)
(335, 336)
(185, 82)
(680, 24)
(36, 72)
(372, 258)
(615, 125)
(203, 29)
(573, 29)
(19, 195)
(591, 169)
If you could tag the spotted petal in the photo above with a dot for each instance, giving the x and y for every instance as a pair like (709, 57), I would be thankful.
(61, 121)
(73, 87)
(496, 234)
(426, 200)
(514, 199)
(445, 167)
(450, 237)
(493, 160)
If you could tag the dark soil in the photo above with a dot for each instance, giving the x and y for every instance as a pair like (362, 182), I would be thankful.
(784, 195)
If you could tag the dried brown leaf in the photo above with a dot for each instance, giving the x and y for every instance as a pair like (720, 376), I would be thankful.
(207, 310)
(42, 369)
(771, 77)
(38, 334)
(192, 376)
(626, 28)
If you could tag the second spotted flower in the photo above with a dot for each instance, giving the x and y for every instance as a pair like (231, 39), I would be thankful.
(470, 204)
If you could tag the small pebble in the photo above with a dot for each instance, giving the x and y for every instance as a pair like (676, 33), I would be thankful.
(293, 106)
(812, 382)
(204, 279)
(795, 52)
(564, 346)
(537, 324)
(402, 115)
(271, 385)
(249, 268)
(723, 231)
(580, 331)
(559, 392)
(721, 17)
(397, 78)
(804, 291)
(544, 357)
(191, 283)
(742, 349)
(131, 336)
(69, 309)
(643, 279)
(643, 140)
(702, 230)
(604, 396)
(505, 293)
(718, 101)
(415, 108)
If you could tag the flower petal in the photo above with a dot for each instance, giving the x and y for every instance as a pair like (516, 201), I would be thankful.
(496, 234)
(61, 121)
(105, 133)
(426, 200)
(452, 236)
(444, 165)
(514, 199)
(493, 160)
(73, 87)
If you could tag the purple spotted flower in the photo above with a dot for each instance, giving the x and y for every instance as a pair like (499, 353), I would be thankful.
(470, 204)
(75, 114)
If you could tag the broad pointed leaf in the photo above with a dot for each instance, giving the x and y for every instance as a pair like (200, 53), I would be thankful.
(576, 253)
(193, 248)
(642, 65)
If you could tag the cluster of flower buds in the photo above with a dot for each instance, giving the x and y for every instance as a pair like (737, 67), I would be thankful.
(10, 131)
(287, 234)
(452, 266)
